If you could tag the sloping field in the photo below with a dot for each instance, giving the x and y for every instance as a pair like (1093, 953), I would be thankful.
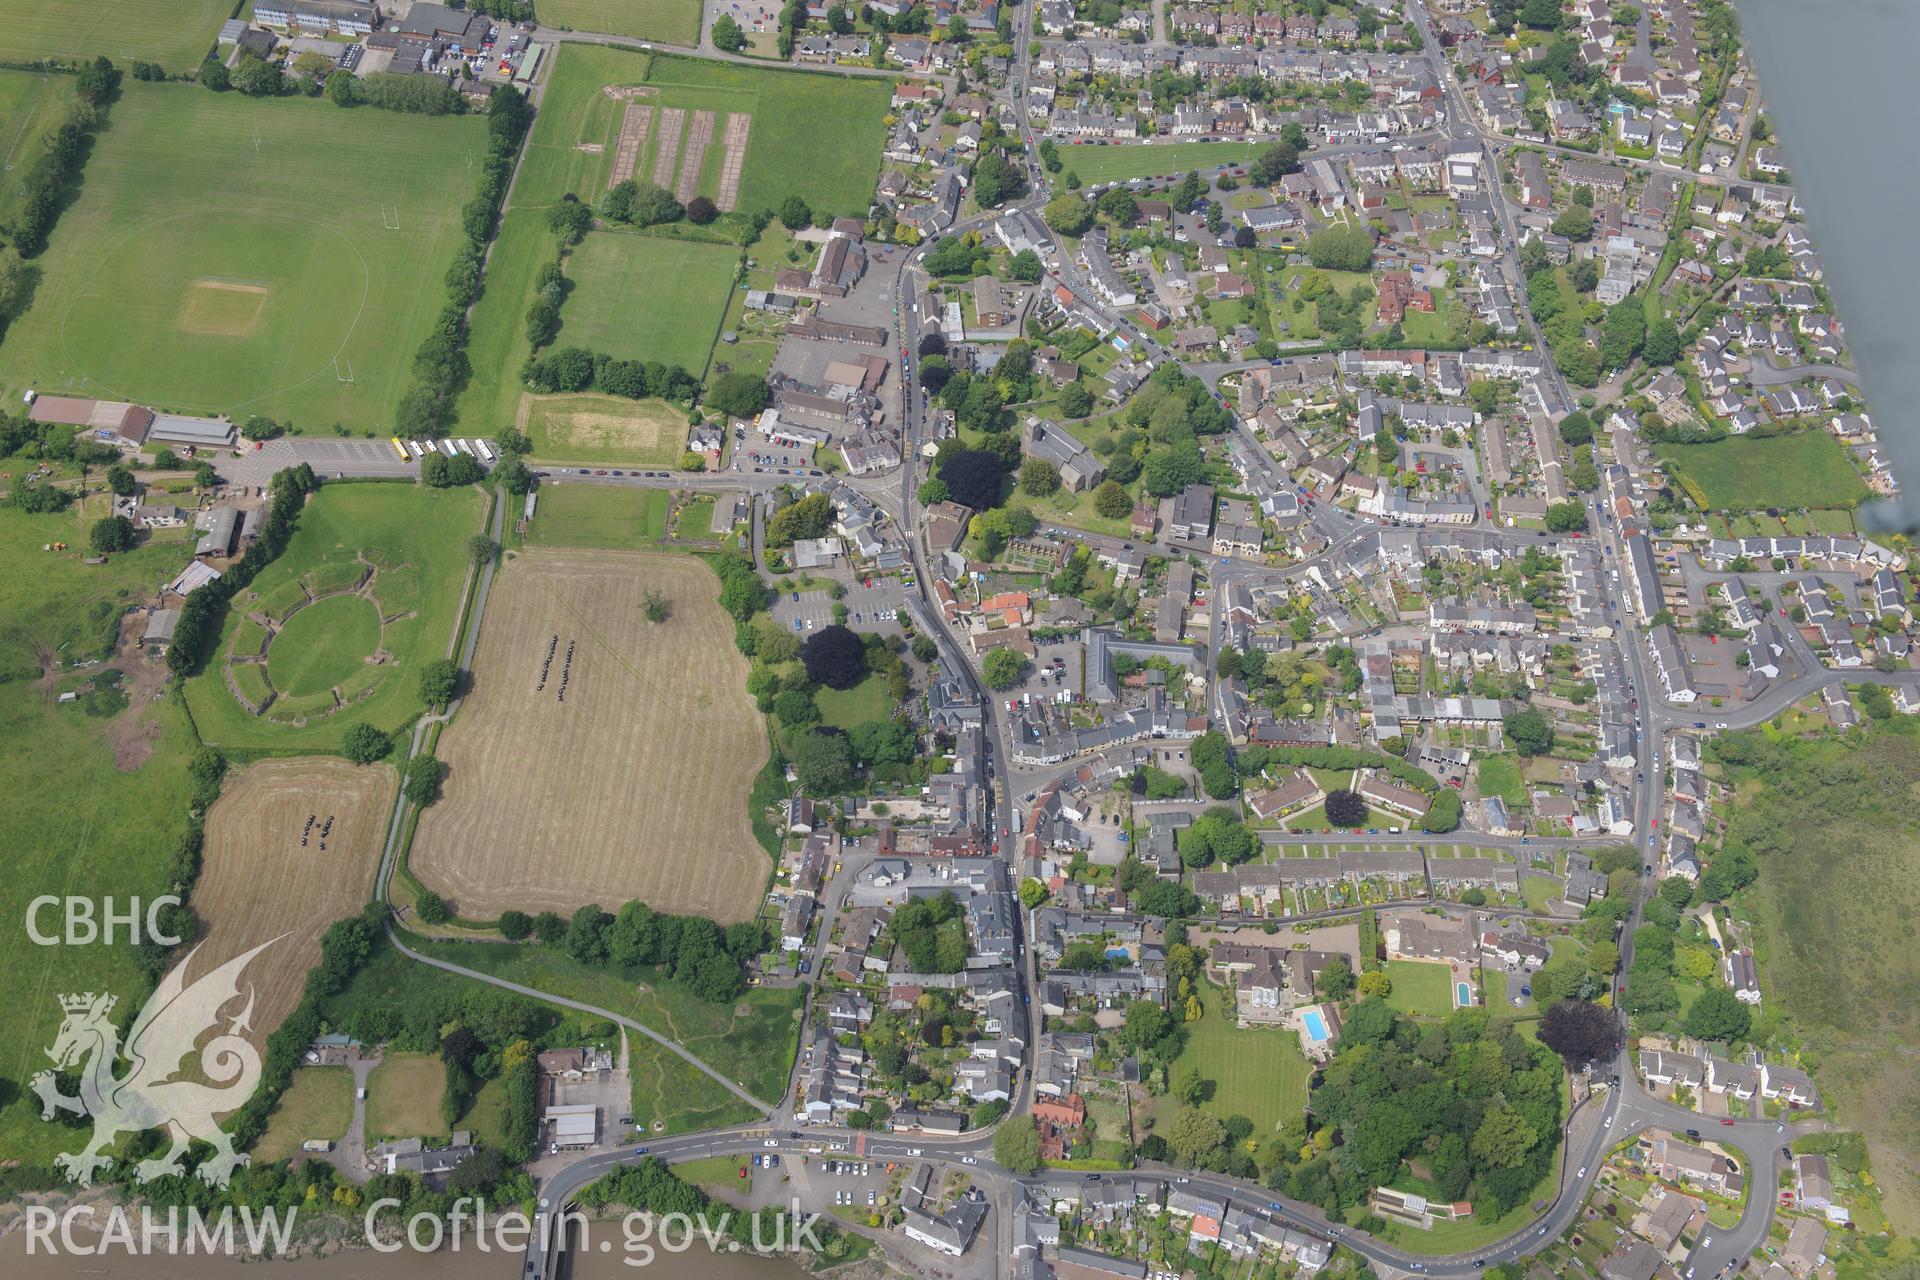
(260, 882)
(1833, 826)
(622, 773)
(75, 823)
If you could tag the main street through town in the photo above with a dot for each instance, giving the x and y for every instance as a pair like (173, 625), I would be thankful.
(1617, 1106)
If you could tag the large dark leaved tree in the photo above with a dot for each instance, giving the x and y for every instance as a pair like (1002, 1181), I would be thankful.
(1345, 809)
(1580, 1032)
(834, 657)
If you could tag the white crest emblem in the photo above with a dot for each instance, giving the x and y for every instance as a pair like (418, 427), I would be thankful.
(150, 1097)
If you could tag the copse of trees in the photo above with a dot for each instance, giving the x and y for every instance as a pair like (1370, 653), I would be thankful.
(1477, 1102)
(810, 517)
(577, 369)
(1212, 759)
(640, 204)
(707, 960)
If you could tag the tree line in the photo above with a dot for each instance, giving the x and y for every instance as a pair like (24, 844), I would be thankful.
(200, 615)
(440, 366)
(701, 956)
(51, 174)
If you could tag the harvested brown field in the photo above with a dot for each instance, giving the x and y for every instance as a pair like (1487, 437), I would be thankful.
(260, 882)
(600, 757)
(632, 140)
(672, 120)
(734, 160)
(699, 138)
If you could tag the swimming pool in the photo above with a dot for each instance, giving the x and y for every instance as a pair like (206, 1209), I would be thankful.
(1316, 1026)
(1463, 994)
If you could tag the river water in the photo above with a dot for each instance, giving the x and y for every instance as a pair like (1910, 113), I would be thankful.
(1837, 78)
(697, 1264)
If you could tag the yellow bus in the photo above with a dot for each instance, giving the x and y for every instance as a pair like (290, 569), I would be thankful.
(400, 449)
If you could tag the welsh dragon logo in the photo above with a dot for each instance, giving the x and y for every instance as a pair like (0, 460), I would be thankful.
(150, 1096)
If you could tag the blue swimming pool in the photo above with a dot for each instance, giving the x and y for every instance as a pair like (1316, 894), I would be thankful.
(1463, 994)
(1316, 1026)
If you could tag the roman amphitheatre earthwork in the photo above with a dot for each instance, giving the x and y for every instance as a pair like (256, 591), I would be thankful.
(320, 642)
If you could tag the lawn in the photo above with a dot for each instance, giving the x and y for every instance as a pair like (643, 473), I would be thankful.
(75, 824)
(672, 21)
(323, 644)
(753, 1039)
(403, 1096)
(417, 537)
(1260, 1074)
(1148, 160)
(1421, 987)
(684, 284)
(845, 708)
(1805, 470)
(176, 34)
(227, 255)
(812, 135)
(600, 516)
(1500, 776)
(318, 1104)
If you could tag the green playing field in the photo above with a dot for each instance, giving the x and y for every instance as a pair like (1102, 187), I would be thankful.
(227, 255)
(174, 33)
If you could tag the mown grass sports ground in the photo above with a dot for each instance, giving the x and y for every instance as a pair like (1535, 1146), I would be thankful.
(409, 544)
(266, 878)
(674, 21)
(1742, 473)
(815, 136)
(1174, 159)
(607, 517)
(641, 297)
(635, 784)
(176, 34)
(403, 1096)
(231, 255)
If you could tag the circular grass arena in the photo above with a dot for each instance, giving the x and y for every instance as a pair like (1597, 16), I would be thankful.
(213, 311)
(323, 644)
